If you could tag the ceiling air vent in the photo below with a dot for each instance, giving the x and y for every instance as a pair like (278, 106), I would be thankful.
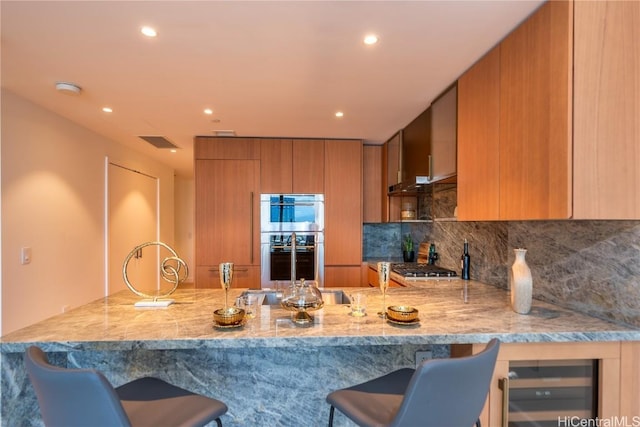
(159, 141)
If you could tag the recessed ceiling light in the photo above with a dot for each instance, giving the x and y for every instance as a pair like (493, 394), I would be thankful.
(107, 109)
(173, 150)
(68, 88)
(148, 31)
(339, 114)
(208, 111)
(371, 39)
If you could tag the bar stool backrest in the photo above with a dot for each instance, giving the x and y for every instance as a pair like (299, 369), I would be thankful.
(448, 391)
(73, 397)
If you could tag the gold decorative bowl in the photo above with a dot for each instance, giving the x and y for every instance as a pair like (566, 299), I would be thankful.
(402, 313)
(229, 316)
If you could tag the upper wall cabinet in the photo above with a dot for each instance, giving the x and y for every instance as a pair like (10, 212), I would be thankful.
(478, 137)
(226, 148)
(393, 159)
(292, 166)
(372, 194)
(547, 129)
(606, 114)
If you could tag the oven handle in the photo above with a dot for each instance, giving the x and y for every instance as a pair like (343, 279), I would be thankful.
(289, 246)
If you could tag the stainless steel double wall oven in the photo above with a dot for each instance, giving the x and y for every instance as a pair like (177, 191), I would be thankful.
(283, 216)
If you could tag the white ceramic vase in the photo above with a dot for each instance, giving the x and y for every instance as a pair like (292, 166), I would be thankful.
(521, 283)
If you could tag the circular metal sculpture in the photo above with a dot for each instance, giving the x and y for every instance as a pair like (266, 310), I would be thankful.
(172, 270)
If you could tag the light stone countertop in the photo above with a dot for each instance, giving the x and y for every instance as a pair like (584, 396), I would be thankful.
(113, 323)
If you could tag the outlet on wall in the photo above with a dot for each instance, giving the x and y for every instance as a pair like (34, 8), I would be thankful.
(422, 356)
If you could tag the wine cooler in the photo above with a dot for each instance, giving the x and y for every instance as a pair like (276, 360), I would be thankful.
(549, 393)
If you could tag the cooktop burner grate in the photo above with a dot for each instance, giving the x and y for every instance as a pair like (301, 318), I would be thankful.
(409, 270)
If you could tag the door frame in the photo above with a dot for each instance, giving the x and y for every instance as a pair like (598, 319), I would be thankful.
(108, 162)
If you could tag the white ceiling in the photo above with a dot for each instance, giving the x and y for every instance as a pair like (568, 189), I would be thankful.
(266, 68)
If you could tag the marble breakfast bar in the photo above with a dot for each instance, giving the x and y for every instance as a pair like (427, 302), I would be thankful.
(271, 372)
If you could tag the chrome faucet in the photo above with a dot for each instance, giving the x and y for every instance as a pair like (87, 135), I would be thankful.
(293, 258)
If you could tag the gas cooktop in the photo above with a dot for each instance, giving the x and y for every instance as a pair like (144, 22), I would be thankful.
(422, 271)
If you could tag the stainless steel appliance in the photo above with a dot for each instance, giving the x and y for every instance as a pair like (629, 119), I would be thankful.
(416, 271)
(292, 227)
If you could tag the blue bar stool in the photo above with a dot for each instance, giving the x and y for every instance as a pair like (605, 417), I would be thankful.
(440, 393)
(84, 397)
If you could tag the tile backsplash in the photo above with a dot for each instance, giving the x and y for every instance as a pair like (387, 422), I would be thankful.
(589, 266)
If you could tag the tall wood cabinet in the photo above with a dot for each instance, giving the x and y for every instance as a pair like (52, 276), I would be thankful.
(227, 223)
(343, 212)
(548, 120)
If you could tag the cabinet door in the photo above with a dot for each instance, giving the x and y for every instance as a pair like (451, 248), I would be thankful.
(607, 110)
(535, 116)
(343, 276)
(393, 159)
(478, 140)
(372, 183)
(226, 148)
(227, 205)
(609, 361)
(275, 166)
(244, 276)
(308, 166)
(343, 202)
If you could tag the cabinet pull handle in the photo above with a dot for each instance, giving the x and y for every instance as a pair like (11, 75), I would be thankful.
(216, 269)
(251, 228)
(430, 167)
(503, 383)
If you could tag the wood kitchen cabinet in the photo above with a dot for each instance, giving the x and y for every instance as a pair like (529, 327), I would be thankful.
(372, 183)
(478, 140)
(535, 116)
(343, 207)
(226, 148)
(618, 381)
(547, 126)
(343, 276)
(514, 140)
(244, 276)
(391, 161)
(227, 219)
(292, 166)
(606, 112)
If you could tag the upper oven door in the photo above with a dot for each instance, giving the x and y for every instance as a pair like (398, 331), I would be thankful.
(291, 212)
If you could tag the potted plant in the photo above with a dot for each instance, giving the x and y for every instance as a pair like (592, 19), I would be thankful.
(407, 249)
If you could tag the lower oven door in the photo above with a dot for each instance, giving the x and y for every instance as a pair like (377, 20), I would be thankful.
(276, 258)
(281, 265)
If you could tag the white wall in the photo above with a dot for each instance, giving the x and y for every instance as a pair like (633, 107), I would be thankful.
(53, 200)
(185, 199)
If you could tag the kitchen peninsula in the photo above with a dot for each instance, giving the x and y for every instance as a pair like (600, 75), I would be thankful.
(270, 372)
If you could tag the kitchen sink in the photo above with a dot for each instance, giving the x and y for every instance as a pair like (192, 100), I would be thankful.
(273, 297)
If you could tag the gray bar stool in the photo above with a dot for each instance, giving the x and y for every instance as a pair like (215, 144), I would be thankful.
(84, 397)
(440, 393)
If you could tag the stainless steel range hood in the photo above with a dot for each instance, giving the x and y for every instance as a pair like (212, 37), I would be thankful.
(428, 146)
